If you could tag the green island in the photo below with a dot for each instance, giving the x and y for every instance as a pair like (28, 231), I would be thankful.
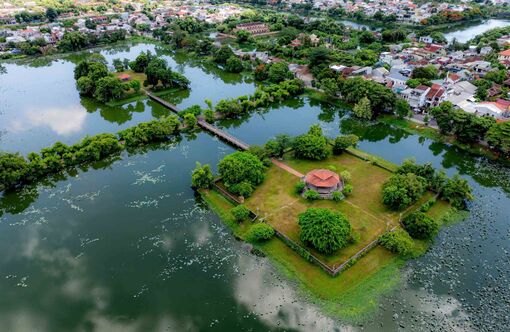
(345, 275)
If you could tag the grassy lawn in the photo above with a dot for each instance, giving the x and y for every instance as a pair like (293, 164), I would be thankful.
(276, 201)
(354, 293)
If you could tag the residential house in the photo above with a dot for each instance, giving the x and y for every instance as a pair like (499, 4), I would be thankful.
(435, 95)
(416, 97)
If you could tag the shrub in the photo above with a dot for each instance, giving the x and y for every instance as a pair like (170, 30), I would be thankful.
(323, 229)
(190, 120)
(337, 196)
(398, 242)
(427, 205)
(347, 189)
(346, 176)
(456, 191)
(240, 212)
(202, 177)
(311, 195)
(13, 169)
(244, 189)
(420, 226)
(299, 187)
(341, 143)
(260, 232)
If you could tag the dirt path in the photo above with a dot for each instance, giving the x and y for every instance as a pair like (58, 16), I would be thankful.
(286, 168)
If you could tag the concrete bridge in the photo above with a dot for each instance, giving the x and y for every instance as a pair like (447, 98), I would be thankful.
(235, 142)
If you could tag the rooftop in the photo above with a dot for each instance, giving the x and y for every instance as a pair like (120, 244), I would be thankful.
(322, 178)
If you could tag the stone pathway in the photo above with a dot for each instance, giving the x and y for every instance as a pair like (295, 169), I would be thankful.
(286, 168)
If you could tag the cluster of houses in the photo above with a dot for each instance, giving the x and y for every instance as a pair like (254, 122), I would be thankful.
(135, 22)
(404, 10)
(460, 67)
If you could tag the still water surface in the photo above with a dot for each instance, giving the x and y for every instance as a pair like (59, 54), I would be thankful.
(125, 245)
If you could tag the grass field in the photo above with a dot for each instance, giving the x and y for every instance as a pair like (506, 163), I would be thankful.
(354, 293)
(276, 201)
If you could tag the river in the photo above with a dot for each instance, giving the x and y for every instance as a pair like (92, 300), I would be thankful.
(468, 32)
(126, 245)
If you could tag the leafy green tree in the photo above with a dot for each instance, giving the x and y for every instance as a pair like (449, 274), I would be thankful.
(402, 108)
(381, 98)
(86, 86)
(51, 14)
(190, 121)
(141, 62)
(278, 72)
(202, 177)
(456, 191)
(108, 88)
(428, 72)
(118, 65)
(398, 242)
(330, 87)
(313, 145)
(401, 190)
(420, 226)
(343, 142)
(13, 169)
(498, 137)
(363, 109)
(414, 82)
(223, 54)
(234, 65)
(319, 56)
(241, 167)
(240, 212)
(72, 41)
(260, 232)
(242, 36)
(325, 230)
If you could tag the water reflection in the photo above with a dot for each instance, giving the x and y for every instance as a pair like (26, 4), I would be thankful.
(62, 121)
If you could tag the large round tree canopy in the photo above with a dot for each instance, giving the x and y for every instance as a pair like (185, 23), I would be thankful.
(241, 167)
(323, 229)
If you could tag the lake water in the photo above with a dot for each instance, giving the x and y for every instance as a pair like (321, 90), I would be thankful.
(469, 32)
(126, 245)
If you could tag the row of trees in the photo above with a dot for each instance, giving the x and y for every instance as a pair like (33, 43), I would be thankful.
(262, 97)
(17, 170)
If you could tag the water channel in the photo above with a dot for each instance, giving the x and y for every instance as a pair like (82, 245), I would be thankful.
(126, 245)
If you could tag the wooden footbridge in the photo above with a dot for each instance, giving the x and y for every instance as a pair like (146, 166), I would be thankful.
(235, 142)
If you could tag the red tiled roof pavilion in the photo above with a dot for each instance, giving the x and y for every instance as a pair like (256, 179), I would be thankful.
(322, 178)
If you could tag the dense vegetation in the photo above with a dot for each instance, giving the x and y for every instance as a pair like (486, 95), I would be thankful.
(241, 172)
(262, 97)
(398, 242)
(202, 177)
(313, 145)
(260, 232)
(325, 230)
(411, 180)
(420, 226)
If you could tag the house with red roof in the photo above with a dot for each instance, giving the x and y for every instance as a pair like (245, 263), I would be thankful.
(435, 95)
